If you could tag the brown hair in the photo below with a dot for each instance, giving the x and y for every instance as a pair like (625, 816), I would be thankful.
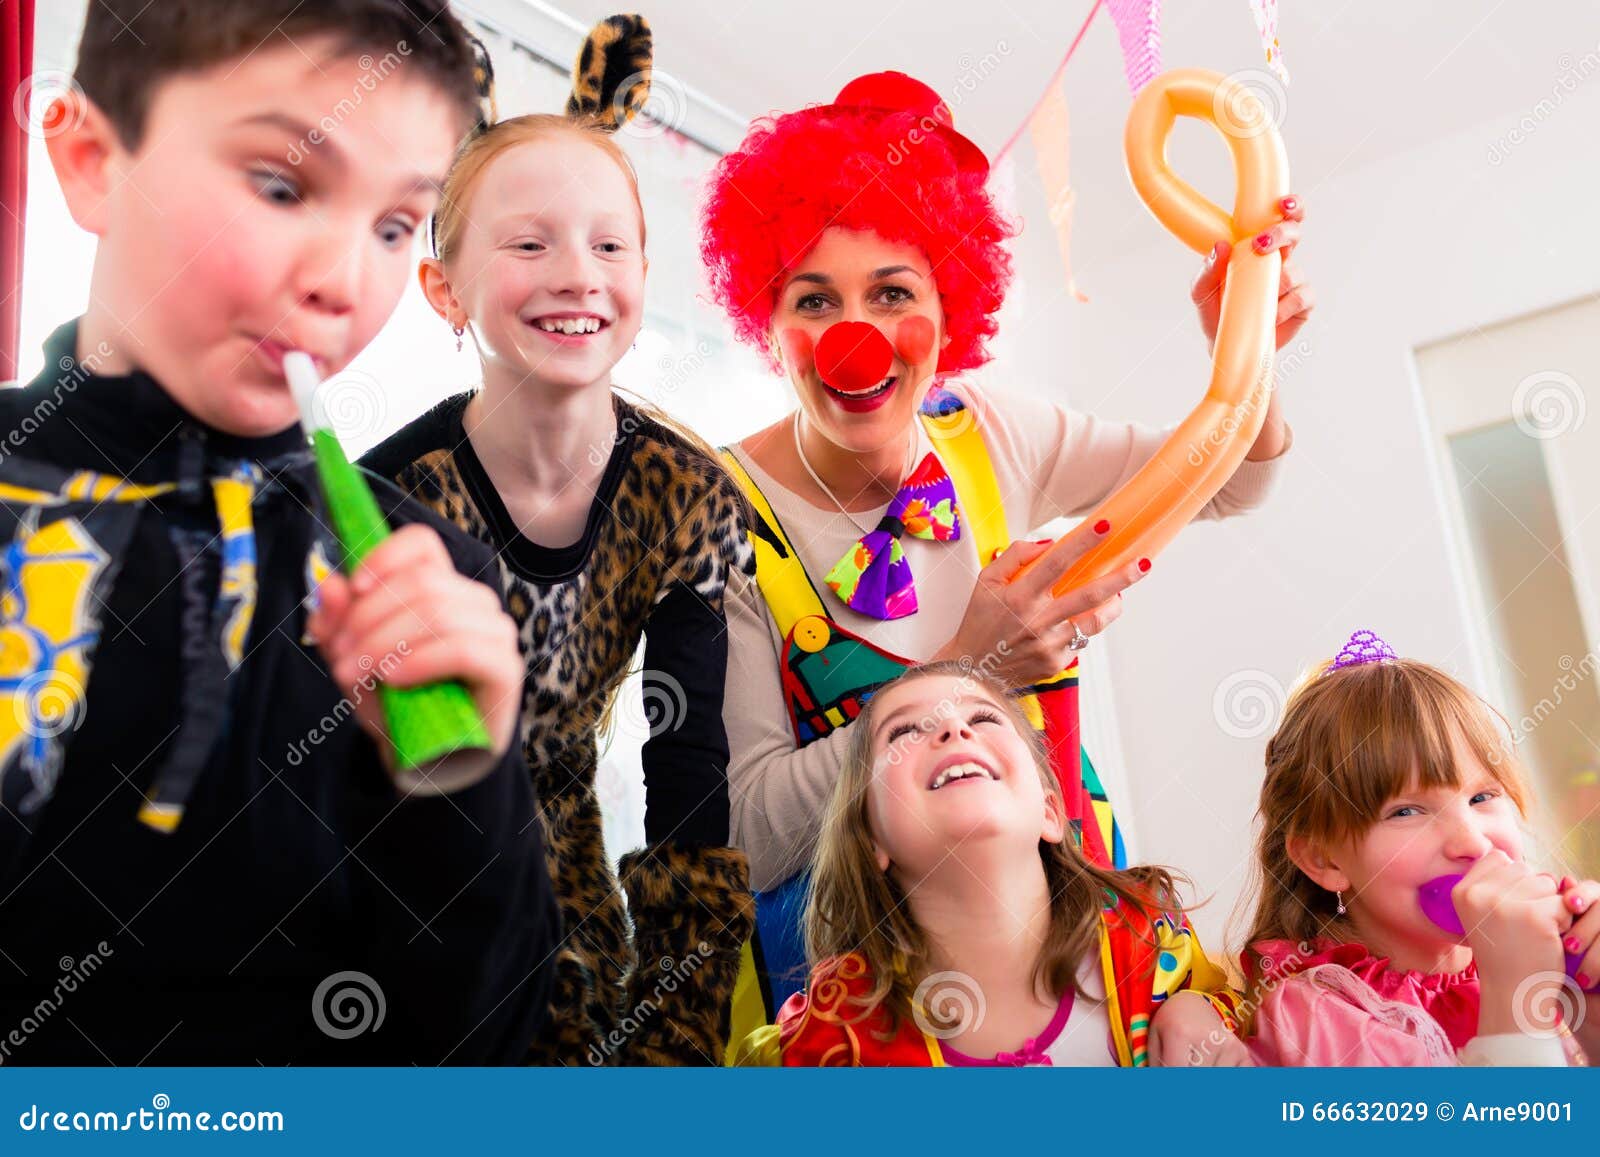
(855, 907)
(482, 147)
(1351, 740)
(130, 47)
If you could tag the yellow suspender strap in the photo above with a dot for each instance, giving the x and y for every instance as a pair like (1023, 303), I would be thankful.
(966, 460)
(779, 572)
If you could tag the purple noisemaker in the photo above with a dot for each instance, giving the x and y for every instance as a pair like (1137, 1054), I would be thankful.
(1437, 906)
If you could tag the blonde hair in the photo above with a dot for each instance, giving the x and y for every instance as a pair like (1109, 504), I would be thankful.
(855, 907)
(1351, 740)
(475, 153)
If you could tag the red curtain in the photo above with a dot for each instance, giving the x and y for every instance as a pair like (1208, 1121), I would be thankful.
(16, 65)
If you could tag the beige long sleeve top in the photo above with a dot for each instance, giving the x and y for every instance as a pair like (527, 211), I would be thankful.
(1049, 462)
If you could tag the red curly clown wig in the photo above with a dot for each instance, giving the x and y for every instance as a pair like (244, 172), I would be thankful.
(869, 169)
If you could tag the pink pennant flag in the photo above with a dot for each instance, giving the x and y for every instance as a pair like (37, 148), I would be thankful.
(1139, 32)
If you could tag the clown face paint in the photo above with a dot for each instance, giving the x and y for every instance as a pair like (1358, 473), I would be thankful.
(855, 278)
(913, 340)
(799, 351)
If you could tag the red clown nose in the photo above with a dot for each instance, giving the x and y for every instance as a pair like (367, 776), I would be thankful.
(853, 356)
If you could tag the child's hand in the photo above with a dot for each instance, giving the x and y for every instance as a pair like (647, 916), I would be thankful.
(1515, 920)
(408, 617)
(1582, 899)
(1188, 1032)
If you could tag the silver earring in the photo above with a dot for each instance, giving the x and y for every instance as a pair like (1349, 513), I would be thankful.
(1341, 908)
(459, 331)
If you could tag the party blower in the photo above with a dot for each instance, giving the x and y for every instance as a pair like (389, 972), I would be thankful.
(426, 723)
(1437, 906)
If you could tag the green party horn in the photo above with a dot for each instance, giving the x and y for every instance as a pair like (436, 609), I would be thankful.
(425, 723)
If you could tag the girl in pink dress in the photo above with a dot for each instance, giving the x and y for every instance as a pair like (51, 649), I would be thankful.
(1386, 774)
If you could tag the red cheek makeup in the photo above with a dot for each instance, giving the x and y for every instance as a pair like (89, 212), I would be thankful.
(913, 340)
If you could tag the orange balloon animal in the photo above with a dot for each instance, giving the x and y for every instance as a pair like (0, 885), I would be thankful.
(1149, 510)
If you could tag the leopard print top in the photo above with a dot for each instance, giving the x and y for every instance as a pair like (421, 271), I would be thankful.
(664, 533)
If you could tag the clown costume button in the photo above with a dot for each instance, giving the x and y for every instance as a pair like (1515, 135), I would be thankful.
(811, 633)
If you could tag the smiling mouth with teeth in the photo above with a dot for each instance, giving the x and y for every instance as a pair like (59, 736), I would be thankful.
(960, 771)
(569, 325)
(882, 387)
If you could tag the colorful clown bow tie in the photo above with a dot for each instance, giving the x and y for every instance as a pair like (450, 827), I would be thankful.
(874, 578)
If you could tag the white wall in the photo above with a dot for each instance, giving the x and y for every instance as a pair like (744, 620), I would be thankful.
(1403, 251)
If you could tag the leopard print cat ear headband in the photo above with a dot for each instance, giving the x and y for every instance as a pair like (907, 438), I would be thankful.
(610, 78)
(610, 81)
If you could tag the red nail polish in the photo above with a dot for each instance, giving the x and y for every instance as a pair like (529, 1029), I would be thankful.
(1102, 527)
(1583, 981)
(1289, 204)
(1263, 241)
(1572, 944)
(1144, 564)
(1578, 903)
(1567, 883)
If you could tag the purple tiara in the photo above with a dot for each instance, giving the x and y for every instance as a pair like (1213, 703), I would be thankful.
(1363, 647)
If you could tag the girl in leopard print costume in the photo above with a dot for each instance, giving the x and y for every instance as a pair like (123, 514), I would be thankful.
(608, 526)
